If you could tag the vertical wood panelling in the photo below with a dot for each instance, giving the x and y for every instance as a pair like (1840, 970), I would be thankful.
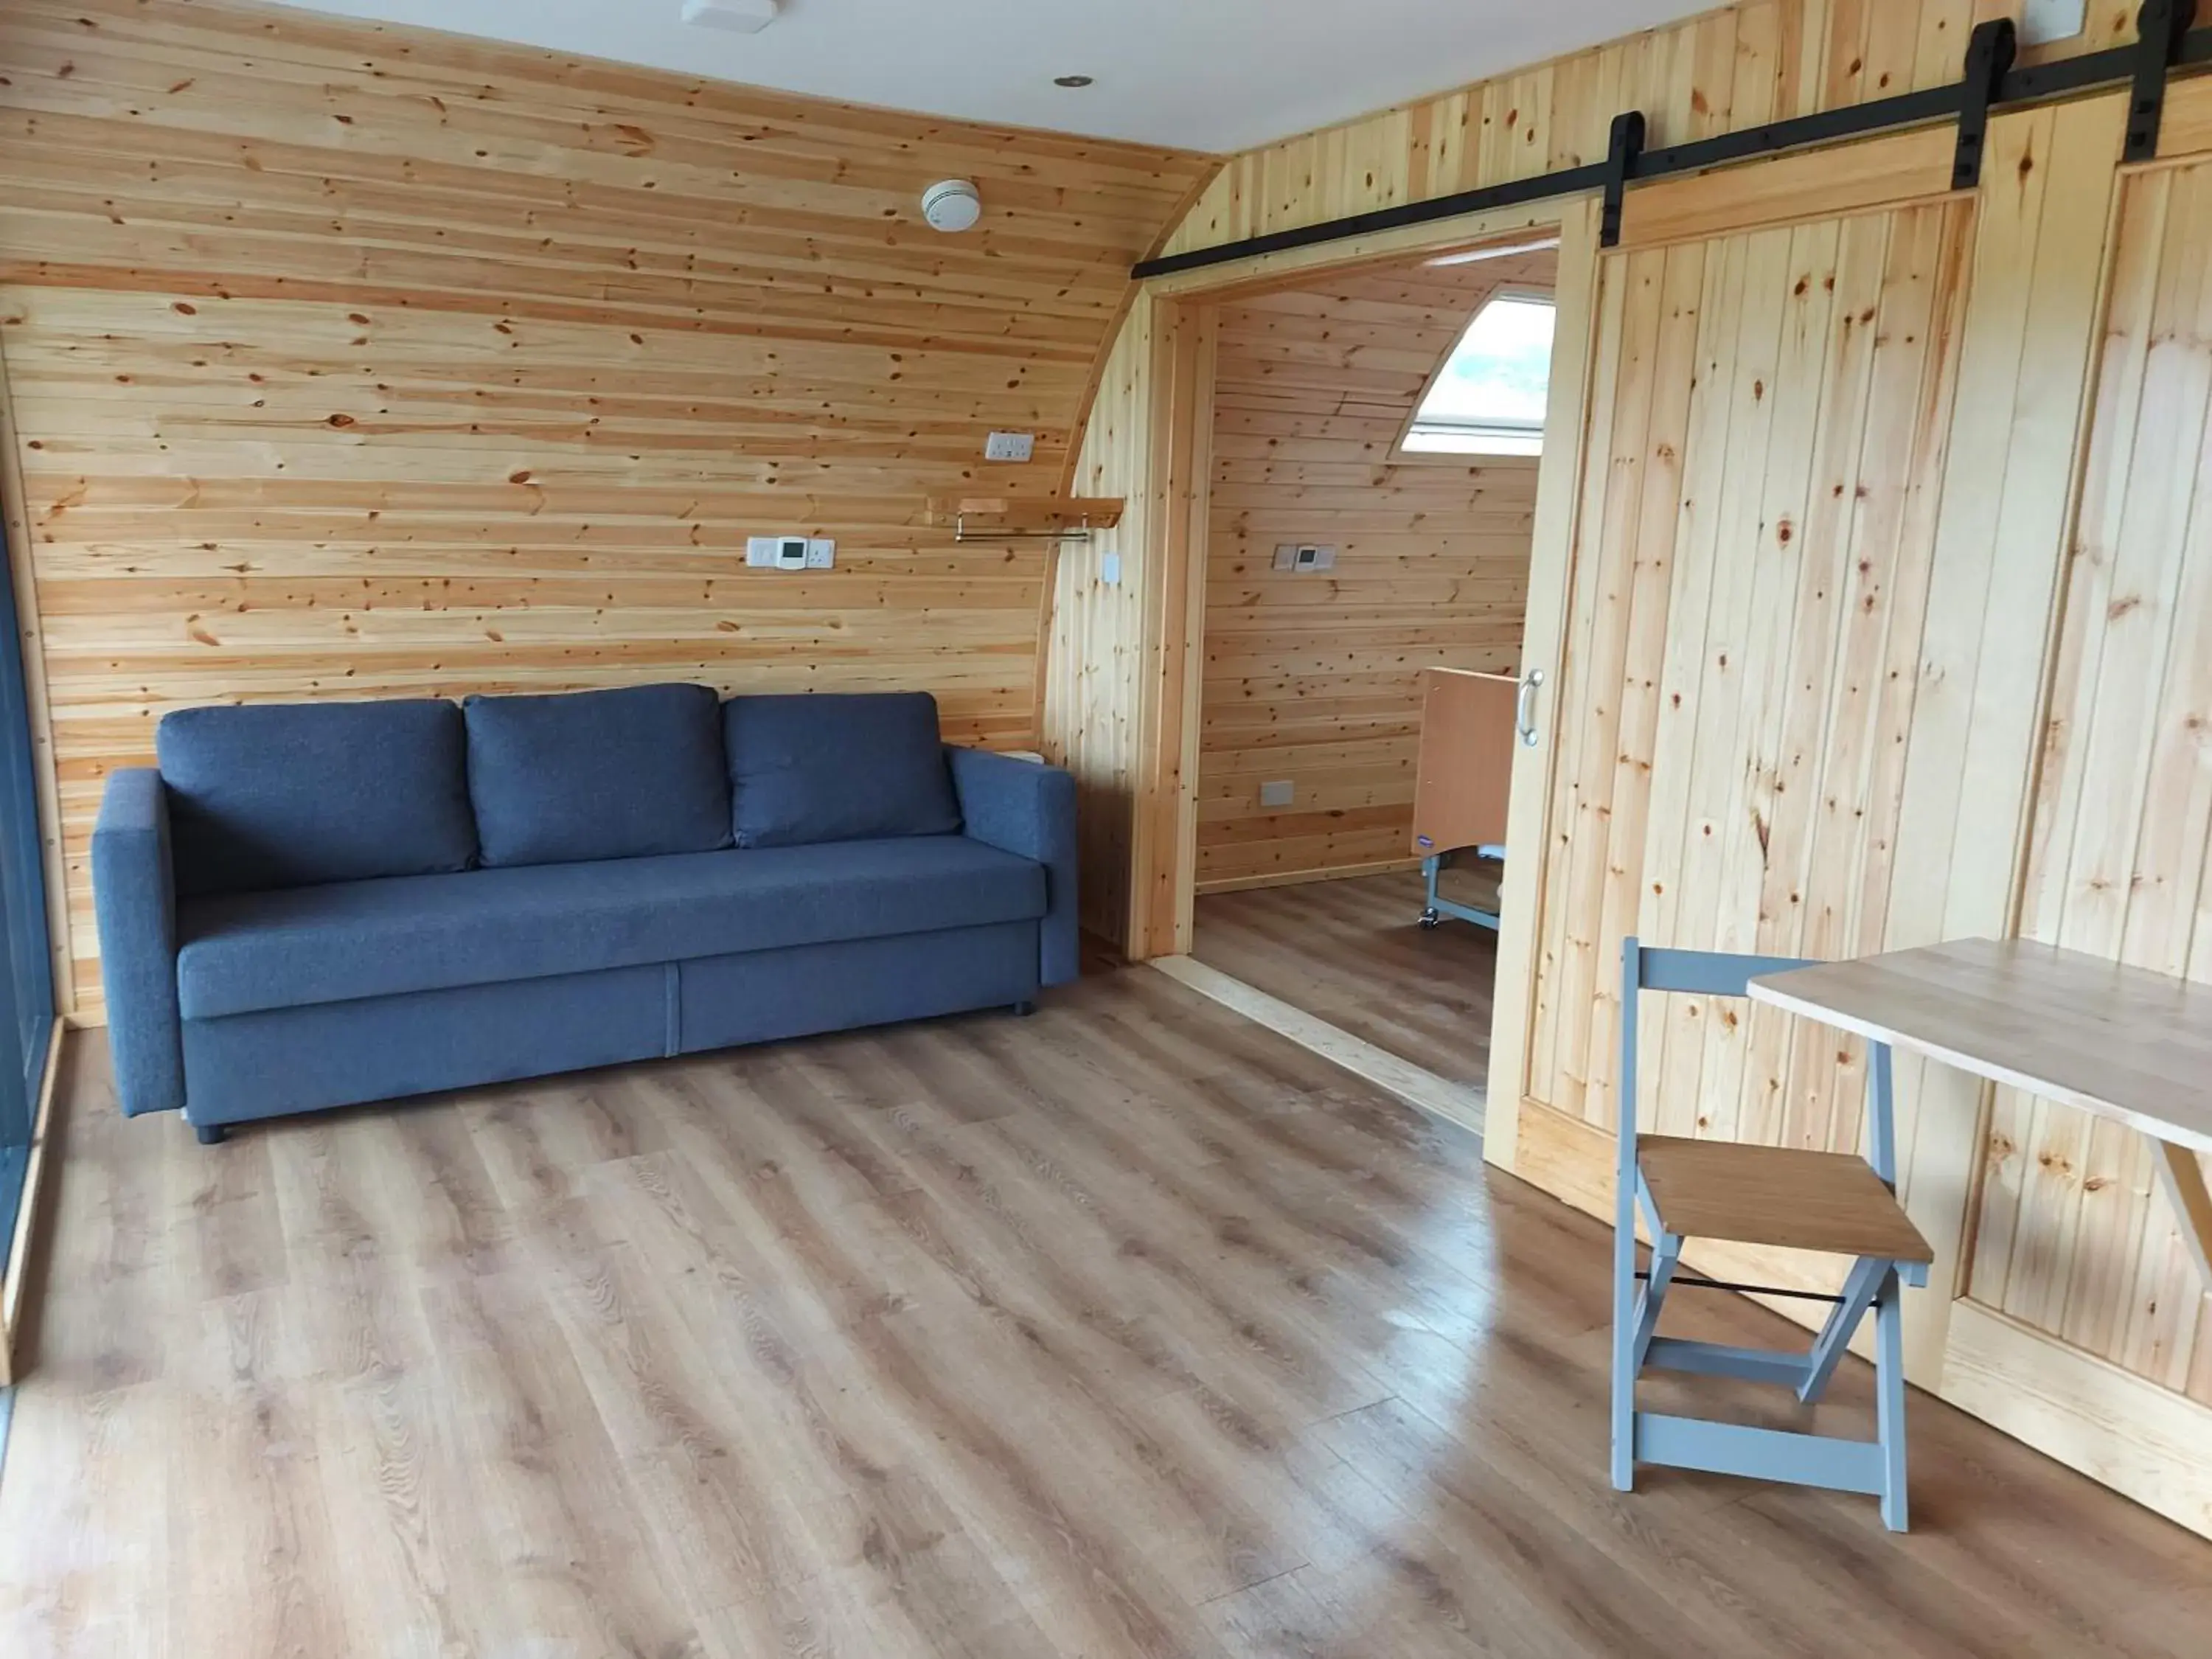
(2075, 1237)
(1739, 685)
(1314, 679)
(1798, 715)
(2002, 518)
(357, 361)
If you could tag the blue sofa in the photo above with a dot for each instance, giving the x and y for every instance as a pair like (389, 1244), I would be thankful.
(312, 905)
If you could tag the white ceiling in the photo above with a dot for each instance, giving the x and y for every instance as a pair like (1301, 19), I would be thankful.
(1210, 75)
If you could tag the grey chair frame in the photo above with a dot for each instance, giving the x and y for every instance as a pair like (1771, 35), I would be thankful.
(1875, 1466)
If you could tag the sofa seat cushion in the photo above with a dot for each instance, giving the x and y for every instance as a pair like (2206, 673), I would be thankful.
(598, 774)
(248, 952)
(296, 794)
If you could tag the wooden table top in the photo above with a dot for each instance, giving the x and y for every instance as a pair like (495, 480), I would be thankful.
(2123, 1041)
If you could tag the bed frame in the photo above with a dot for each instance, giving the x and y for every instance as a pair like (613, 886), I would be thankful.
(1463, 780)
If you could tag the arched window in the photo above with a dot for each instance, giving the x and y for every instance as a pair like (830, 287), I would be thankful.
(1488, 398)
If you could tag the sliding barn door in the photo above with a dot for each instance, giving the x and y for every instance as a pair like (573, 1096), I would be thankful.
(1751, 574)
(1803, 623)
(1885, 617)
(2084, 1272)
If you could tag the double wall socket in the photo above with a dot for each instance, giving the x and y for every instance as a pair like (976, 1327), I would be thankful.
(1010, 446)
(1304, 555)
(790, 552)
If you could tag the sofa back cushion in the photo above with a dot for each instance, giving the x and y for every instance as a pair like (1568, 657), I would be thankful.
(598, 774)
(273, 795)
(821, 768)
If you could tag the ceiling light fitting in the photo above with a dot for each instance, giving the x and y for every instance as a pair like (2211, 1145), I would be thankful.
(1070, 79)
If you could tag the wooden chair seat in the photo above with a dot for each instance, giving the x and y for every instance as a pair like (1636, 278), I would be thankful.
(1780, 1196)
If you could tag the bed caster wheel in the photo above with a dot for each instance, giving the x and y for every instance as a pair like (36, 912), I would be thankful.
(1023, 1010)
(210, 1135)
(1430, 918)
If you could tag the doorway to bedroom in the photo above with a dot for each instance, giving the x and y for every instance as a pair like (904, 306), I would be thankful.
(1376, 439)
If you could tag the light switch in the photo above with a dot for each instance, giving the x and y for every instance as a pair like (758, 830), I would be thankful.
(1110, 568)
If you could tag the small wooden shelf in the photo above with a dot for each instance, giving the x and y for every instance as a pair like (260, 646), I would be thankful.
(981, 518)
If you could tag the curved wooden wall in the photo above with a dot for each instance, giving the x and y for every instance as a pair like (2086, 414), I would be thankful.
(354, 362)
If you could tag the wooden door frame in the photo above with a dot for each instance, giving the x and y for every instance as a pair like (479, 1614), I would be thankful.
(1186, 307)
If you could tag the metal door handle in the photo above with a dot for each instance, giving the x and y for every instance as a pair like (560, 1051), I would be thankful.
(1524, 707)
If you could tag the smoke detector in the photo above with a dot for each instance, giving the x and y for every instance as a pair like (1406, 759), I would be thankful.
(952, 205)
(745, 16)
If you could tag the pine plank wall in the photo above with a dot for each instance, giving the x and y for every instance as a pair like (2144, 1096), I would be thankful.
(1314, 679)
(349, 362)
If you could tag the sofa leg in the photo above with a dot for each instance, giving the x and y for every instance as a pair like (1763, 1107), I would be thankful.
(1025, 1008)
(210, 1135)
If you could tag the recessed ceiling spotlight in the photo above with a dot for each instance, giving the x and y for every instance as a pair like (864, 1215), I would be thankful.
(1070, 79)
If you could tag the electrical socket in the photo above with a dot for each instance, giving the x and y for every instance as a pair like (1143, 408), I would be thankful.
(1010, 446)
(821, 553)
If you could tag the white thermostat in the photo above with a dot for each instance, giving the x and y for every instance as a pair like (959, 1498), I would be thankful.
(776, 552)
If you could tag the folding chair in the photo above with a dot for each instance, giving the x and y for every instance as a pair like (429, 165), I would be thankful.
(1769, 1195)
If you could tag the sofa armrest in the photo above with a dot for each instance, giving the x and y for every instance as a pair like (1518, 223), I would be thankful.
(134, 901)
(1021, 807)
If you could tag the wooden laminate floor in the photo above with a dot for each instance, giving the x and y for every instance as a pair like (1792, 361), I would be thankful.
(1352, 952)
(1130, 1329)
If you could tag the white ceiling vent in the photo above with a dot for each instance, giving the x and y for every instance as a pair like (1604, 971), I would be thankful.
(745, 16)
